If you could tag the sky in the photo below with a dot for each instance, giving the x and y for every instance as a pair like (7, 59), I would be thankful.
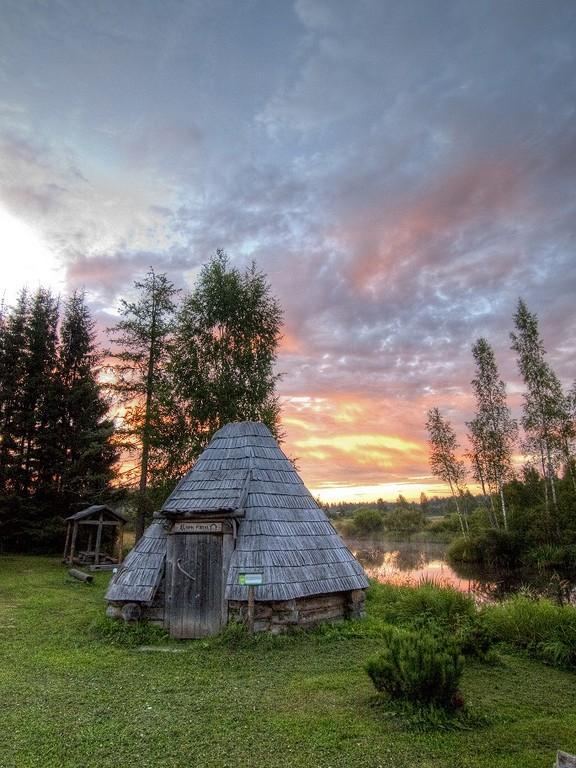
(401, 170)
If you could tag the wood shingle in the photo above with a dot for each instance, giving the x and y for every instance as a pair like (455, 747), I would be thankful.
(281, 532)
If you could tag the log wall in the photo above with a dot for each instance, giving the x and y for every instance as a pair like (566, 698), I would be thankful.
(279, 616)
(275, 617)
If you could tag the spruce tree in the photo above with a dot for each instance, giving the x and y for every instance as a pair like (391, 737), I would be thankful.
(37, 414)
(86, 452)
(12, 374)
(55, 449)
(141, 339)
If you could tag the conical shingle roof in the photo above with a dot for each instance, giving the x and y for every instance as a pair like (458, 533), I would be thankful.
(282, 532)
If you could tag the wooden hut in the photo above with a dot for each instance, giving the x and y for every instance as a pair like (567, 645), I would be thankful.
(94, 537)
(240, 537)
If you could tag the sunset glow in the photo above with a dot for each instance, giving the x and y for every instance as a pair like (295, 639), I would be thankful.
(27, 261)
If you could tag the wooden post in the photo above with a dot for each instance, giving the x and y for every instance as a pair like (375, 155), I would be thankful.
(120, 542)
(90, 540)
(251, 609)
(98, 540)
(68, 529)
(73, 545)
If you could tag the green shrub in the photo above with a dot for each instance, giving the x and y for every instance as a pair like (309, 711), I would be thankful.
(493, 546)
(552, 556)
(500, 548)
(546, 630)
(476, 639)
(432, 604)
(533, 523)
(478, 520)
(367, 522)
(464, 551)
(417, 667)
(404, 520)
(447, 524)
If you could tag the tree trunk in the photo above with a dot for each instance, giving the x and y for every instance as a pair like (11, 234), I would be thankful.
(141, 507)
(463, 526)
(545, 478)
(504, 517)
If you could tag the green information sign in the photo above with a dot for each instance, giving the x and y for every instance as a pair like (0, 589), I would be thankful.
(250, 579)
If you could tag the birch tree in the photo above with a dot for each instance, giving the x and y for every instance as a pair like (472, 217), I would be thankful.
(546, 411)
(444, 463)
(492, 432)
(225, 346)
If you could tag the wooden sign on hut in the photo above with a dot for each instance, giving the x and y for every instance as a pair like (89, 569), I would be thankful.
(240, 534)
(94, 537)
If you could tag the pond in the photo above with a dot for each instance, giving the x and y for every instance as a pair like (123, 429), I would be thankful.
(411, 562)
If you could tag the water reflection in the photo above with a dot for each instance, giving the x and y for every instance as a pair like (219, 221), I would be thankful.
(410, 563)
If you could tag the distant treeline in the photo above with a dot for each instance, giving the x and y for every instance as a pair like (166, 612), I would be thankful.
(435, 506)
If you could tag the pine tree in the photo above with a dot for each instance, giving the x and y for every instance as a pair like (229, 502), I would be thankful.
(86, 452)
(56, 441)
(492, 431)
(444, 463)
(224, 351)
(142, 338)
(12, 374)
(546, 411)
(36, 411)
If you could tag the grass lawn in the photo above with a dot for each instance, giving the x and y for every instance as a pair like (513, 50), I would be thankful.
(70, 700)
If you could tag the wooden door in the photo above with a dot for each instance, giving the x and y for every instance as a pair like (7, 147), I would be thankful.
(195, 583)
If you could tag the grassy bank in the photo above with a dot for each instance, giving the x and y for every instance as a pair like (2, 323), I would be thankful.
(69, 698)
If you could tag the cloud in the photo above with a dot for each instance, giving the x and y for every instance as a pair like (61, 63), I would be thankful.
(400, 177)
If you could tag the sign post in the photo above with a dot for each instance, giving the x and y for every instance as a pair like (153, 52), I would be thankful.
(250, 580)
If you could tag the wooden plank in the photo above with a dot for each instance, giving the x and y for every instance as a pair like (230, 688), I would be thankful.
(120, 544)
(251, 609)
(68, 531)
(98, 539)
(195, 587)
(193, 526)
(73, 544)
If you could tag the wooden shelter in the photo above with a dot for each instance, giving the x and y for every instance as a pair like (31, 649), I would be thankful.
(94, 537)
(240, 537)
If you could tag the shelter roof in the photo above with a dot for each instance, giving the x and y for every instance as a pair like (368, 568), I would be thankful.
(96, 509)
